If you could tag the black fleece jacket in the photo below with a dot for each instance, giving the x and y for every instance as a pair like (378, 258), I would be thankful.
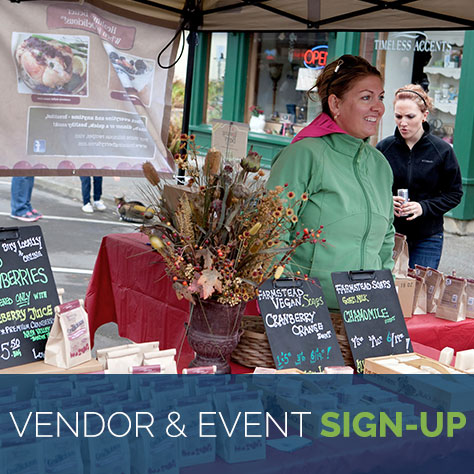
(430, 172)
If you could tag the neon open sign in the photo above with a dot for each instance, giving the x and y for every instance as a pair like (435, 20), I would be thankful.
(316, 58)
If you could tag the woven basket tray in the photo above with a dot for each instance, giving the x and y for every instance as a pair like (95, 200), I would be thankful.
(340, 331)
(253, 349)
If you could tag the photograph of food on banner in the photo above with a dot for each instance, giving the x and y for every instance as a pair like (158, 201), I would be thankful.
(130, 73)
(51, 64)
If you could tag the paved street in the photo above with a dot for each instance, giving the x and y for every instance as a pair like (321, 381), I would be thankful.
(458, 253)
(72, 239)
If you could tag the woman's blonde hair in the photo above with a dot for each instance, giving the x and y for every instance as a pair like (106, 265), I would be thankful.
(338, 77)
(415, 93)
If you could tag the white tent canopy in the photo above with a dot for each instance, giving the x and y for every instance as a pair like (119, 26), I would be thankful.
(259, 15)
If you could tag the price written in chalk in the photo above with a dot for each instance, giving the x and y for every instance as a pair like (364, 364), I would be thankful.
(10, 348)
(371, 313)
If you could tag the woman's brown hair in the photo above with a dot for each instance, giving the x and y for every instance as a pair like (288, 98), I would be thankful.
(338, 77)
(415, 93)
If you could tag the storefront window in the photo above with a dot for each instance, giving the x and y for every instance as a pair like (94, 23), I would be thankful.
(432, 59)
(440, 76)
(285, 65)
(215, 88)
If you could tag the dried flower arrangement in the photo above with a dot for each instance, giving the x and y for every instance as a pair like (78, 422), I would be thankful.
(226, 235)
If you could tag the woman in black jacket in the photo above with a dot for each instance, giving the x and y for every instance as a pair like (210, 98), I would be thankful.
(426, 166)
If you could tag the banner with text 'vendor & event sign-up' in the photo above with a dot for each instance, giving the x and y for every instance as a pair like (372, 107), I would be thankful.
(81, 91)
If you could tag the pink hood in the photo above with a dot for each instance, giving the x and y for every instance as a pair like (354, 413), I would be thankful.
(322, 125)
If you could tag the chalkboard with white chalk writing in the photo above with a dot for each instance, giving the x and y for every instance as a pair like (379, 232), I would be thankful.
(28, 295)
(371, 313)
(298, 325)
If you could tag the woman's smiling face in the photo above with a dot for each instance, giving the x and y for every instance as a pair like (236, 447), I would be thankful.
(359, 111)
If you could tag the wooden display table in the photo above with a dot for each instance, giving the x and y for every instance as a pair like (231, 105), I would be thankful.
(40, 367)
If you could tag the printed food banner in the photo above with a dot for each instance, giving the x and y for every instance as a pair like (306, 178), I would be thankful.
(81, 91)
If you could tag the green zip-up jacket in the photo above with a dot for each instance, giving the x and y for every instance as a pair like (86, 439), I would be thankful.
(349, 184)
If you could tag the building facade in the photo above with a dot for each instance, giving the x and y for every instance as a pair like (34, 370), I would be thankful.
(241, 77)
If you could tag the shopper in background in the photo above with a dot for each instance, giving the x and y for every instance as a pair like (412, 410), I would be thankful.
(347, 181)
(425, 165)
(21, 190)
(97, 203)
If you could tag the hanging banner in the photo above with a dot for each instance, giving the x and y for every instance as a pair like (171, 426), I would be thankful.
(82, 92)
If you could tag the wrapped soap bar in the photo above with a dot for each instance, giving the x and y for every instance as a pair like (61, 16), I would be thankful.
(102, 354)
(446, 355)
(146, 369)
(338, 370)
(118, 362)
(464, 360)
(264, 370)
(163, 358)
(211, 369)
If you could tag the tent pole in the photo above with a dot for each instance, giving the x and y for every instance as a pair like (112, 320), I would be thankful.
(192, 43)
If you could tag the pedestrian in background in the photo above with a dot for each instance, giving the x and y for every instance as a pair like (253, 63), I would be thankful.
(427, 167)
(21, 208)
(97, 203)
(344, 182)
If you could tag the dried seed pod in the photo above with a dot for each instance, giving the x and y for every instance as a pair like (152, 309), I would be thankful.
(150, 173)
(156, 242)
(279, 272)
(251, 162)
(213, 161)
(256, 227)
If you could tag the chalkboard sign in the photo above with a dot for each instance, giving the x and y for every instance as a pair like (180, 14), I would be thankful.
(372, 315)
(298, 325)
(28, 295)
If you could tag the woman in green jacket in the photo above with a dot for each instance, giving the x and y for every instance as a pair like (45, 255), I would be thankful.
(347, 180)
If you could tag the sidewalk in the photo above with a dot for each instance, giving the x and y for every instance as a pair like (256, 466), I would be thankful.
(458, 251)
(70, 186)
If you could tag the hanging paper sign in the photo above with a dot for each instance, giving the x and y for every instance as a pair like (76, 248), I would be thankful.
(372, 315)
(298, 325)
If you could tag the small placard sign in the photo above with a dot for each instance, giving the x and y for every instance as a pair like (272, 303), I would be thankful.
(28, 295)
(298, 325)
(230, 138)
(372, 315)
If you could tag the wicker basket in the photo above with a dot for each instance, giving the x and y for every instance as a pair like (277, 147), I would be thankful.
(253, 349)
(340, 331)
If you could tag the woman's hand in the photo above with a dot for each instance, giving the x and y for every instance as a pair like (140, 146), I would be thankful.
(402, 208)
(412, 209)
(397, 205)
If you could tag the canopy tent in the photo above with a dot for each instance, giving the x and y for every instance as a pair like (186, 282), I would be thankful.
(281, 15)
(276, 15)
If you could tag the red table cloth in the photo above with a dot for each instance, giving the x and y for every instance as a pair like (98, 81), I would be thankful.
(438, 333)
(129, 287)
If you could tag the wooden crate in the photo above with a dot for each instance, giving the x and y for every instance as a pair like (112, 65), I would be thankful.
(442, 392)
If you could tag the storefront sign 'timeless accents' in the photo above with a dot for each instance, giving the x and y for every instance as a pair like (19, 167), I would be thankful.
(411, 41)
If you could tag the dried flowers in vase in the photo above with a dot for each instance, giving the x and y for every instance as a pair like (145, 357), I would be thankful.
(225, 232)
